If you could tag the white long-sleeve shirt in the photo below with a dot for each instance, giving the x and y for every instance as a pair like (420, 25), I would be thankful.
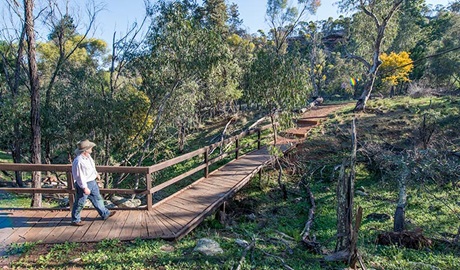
(83, 170)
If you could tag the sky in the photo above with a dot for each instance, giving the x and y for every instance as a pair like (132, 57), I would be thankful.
(118, 14)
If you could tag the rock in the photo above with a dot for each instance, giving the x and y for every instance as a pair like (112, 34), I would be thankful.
(208, 247)
(252, 217)
(118, 200)
(130, 203)
(88, 204)
(75, 260)
(109, 204)
(167, 248)
(64, 202)
(360, 193)
(242, 243)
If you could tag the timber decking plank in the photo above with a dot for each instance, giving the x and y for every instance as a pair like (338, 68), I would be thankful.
(67, 234)
(193, 205)
(217, 184)
(170, 228)
(140, 230)
(93, 230)
(34, 225)
(163, 230)
(154, 229)
(61, 227)
(5, 219)
(107, 226)
(129, 225)
(171, 225)
(115, 232)
(176, 214)
(80, 232)
(21, 222)
(178, 205)
(44, 227)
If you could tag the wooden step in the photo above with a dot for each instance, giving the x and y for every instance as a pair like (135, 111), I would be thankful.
(305, 122)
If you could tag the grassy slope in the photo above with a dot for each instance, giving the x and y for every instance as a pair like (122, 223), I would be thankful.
(259, 213)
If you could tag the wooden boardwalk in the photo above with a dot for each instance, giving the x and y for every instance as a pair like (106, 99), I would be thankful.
(171, 218)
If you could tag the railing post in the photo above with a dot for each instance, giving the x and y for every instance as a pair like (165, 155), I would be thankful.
(148, 184)
(258, 139)
(70, 189)
(237, 146)
(206, 161)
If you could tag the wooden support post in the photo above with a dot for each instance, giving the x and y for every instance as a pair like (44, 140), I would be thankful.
(71, 189)
(206, 161)
(148, 183)
(237, 146)
(220, 215)
(258, 139)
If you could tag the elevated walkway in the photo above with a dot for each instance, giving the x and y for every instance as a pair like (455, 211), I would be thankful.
(171, 218)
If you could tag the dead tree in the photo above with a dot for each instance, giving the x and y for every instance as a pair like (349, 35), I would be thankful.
(347, 234)
(399, 217)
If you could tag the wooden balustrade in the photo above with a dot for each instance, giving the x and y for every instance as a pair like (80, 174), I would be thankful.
(146, 171)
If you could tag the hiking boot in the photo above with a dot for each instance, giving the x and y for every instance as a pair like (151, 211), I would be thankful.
(110, 214)
(79, 223)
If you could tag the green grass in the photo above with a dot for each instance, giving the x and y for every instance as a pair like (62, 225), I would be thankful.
(4, 157)
(259, 214)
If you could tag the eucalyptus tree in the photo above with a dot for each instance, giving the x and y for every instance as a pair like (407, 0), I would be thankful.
(171, 69)
(277, 79)
(64, 45)
(224, 68)
(12, 53)
(314, 54)
(380, 14)
(283, 19)
(277, 82)
(34, 84)
(338, 72)
(444, 67)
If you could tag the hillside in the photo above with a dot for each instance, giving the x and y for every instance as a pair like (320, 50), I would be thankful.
(261, 230)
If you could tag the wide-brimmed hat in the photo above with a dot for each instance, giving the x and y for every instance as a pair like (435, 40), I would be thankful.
(82, 146)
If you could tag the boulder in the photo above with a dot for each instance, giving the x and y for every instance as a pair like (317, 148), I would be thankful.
(208, 247)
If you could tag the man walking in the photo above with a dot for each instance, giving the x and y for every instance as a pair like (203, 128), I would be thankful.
(84, 174)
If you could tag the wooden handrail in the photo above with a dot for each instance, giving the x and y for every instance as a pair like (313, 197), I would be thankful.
(147, 171)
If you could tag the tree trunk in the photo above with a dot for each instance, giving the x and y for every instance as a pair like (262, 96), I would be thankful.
(16, 149)
(399, 217)
(16, 153)
(34, 99)
(275, 130)
(381, 27)
(361, 103)
(345, 189)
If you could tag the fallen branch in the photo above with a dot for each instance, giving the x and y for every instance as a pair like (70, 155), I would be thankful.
(280, 183)
(280, 259)
(245, 251)
(311, 243)
(257, 122)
